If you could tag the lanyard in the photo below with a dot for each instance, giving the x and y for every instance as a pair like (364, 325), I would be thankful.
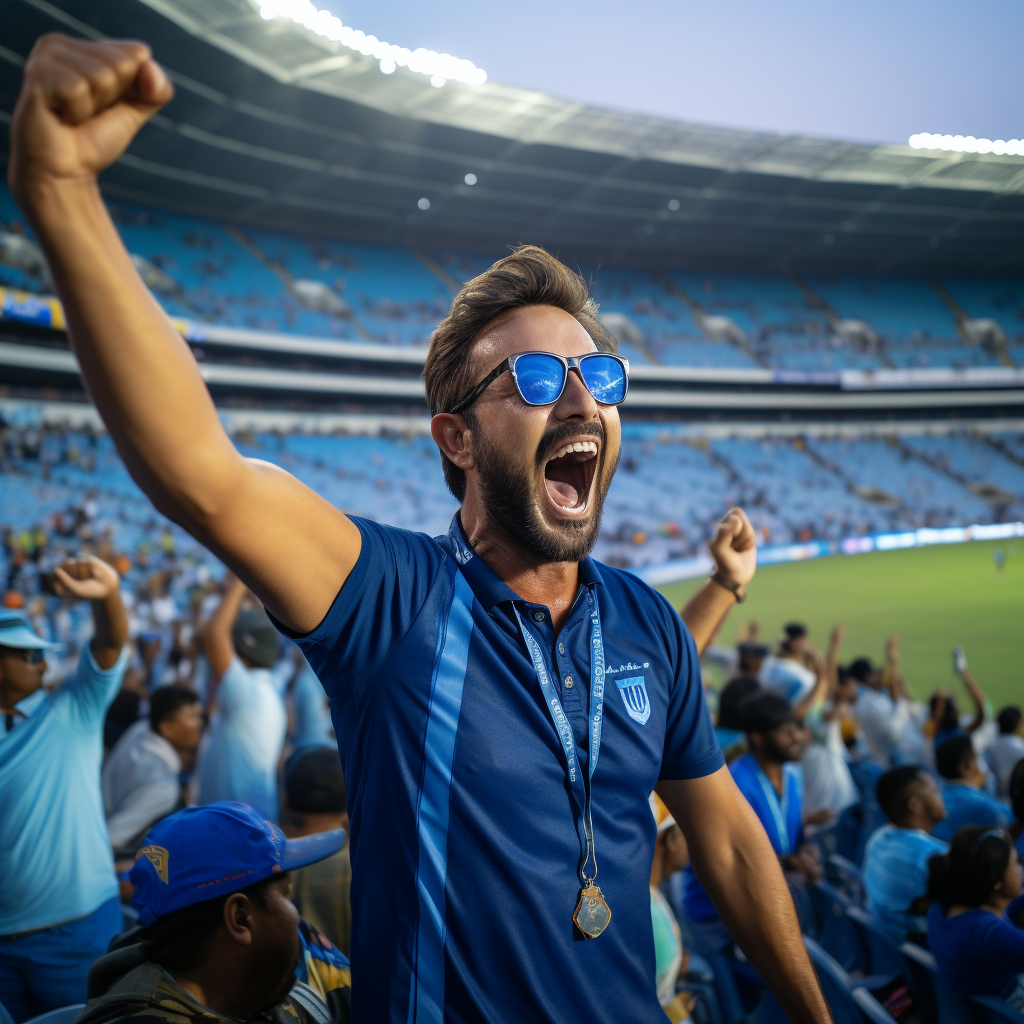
(779, 813)
(579, 787)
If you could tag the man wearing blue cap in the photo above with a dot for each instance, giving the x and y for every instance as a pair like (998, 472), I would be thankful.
(58, 898)
(221, 939)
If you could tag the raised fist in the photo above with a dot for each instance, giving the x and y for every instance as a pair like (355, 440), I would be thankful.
(81, 103)
(86, 577)
(734, 549)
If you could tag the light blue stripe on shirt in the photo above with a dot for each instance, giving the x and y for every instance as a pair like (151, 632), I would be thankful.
(426, 996)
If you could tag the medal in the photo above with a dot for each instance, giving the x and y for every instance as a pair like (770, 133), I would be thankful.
(592, 914)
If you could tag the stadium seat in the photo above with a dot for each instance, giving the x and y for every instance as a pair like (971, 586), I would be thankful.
(883, 953)
(5, 1017)
(850, 1002)
(993, 1010)
(845, 875)
(838, 935)
(937, 1004)
(65, 1015)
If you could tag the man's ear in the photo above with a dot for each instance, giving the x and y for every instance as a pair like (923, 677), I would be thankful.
(238, 919)
(454, 438)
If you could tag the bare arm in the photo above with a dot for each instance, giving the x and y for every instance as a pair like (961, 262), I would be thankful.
(972, 687)
(734, 549)
(218, 646)
(735, 862)
(80, 105)
(90, 579)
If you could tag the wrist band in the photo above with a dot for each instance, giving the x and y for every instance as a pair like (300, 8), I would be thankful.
(736, 589)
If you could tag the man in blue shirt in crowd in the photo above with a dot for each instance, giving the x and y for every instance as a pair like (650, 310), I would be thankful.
(966, 801)
(59, 902)
(772, 781)
(896, 858)
(248, 727)
(503, 704)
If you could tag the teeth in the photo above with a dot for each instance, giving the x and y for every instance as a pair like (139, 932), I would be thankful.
(576, 446)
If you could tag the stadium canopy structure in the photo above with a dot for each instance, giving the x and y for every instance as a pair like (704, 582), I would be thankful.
(273, 124)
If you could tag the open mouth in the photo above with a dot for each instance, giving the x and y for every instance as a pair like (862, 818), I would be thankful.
(569, 475)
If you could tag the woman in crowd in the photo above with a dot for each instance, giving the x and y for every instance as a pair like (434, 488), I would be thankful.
(975, 919)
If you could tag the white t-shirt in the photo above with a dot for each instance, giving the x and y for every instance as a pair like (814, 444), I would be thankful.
(1003, 753)
(246, 737)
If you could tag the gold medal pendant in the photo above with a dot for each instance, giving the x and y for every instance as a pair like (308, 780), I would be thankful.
(592, 912)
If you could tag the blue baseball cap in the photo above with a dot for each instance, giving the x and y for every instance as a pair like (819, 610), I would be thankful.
(16, 632)
(201, 853)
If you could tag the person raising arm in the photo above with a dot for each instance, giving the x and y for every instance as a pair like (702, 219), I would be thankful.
(81, 104)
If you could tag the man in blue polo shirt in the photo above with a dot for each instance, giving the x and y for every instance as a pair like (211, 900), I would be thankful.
(59, 902)
(503, 704)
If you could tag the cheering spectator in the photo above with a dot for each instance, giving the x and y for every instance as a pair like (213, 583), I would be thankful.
(975, 922)
(945, 723)
(897, 855)
(248, 729)
(966, 801)
(142, 777)
(772, 783)
(315, 802)
(670, 855)
(798, 669)
(215, 949)
(731, 738)
(1007, 748)
(59, 897)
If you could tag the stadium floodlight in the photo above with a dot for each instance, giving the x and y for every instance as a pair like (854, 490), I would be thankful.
(441, 67)
(424, 203)
(967, 144)
(470, 179)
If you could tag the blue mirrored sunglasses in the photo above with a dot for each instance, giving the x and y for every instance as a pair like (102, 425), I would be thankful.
(540, 377)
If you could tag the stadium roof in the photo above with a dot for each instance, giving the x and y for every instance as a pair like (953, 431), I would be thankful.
(273, 124)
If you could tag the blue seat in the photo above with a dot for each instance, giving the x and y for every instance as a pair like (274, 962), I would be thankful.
(65, 1015)
(838, 935)
(937, 1003)
(850, 1003)
(993, 1010)
(5, 1017)
(883, 952)
(843, 873)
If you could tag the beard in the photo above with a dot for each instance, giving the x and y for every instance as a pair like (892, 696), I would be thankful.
(507, 492)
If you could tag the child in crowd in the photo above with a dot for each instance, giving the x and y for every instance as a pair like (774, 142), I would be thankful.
(974, 922)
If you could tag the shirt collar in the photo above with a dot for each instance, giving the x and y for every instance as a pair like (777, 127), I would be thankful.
(488, 587)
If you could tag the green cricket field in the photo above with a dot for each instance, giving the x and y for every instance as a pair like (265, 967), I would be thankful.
(933, 598)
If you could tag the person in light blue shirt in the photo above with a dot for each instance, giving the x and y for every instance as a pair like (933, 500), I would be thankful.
(248, 728)
(896, 858)
(966, 803)
(311, 711)
(59, 904)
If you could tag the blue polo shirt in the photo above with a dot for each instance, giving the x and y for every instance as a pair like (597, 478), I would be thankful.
(463, 838)
(56, 862)
(782, 821)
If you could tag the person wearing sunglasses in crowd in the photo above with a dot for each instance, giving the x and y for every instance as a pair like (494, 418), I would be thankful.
(503, 704)
(976, 922)
(59, 903)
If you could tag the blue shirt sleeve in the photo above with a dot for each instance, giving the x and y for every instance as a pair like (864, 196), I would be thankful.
(379, 602)
(691, 750)
(85, 697)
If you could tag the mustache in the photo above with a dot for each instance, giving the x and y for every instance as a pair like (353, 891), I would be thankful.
(566, 432)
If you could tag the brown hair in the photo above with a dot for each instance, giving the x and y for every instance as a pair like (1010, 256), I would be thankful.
(528, 277)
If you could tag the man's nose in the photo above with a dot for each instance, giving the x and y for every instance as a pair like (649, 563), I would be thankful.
(576, 400)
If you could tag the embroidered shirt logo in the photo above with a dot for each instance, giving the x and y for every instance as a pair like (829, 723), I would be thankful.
(633, 691)
(158, 857)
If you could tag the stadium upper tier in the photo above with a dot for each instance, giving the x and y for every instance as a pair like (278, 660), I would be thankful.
(209, 272)
(276, 125)
(669, 491)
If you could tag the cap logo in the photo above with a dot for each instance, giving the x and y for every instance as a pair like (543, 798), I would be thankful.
(158, 857)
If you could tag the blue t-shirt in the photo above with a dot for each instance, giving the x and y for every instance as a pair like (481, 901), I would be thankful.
(55, 857)
(896, 874)
(782, 820)
(966, 805)
(977, 952)
(463, 838)
(246, 736)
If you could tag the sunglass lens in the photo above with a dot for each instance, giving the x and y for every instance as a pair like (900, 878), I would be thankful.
(540, 378)
(605, 377)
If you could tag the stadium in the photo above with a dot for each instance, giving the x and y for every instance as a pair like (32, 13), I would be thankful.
(827, 334)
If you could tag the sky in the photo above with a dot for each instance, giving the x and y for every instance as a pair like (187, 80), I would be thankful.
(870, 70)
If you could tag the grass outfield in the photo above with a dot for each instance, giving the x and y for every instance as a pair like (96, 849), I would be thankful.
(934, 598)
